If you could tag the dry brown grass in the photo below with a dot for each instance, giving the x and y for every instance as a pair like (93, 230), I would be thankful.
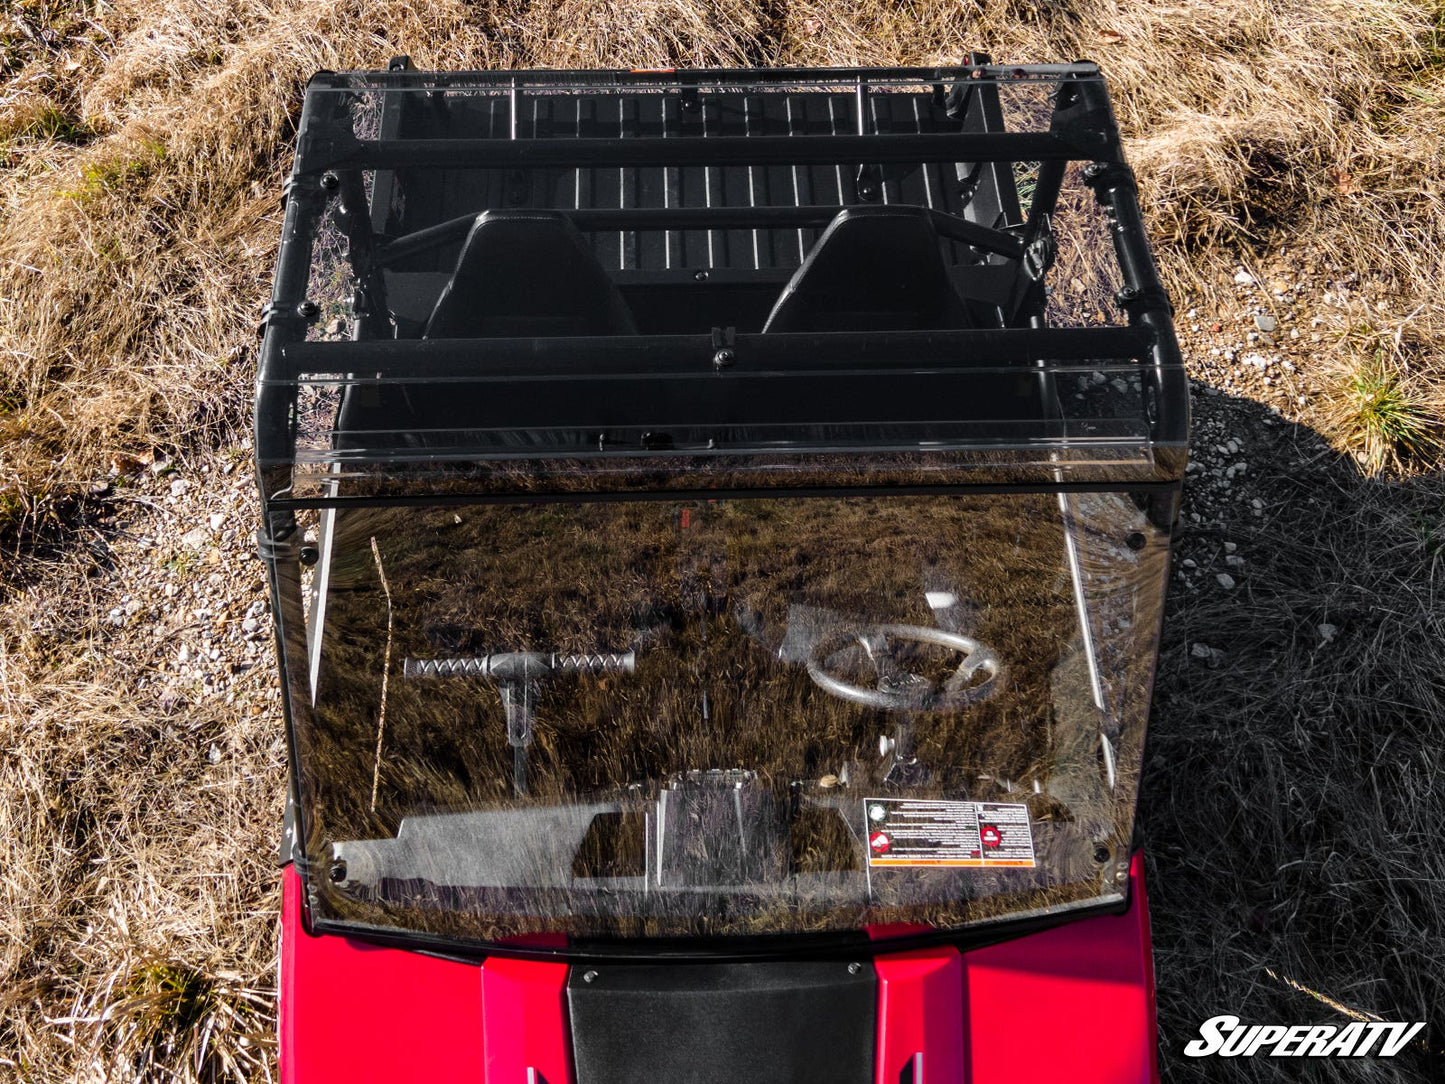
(1293, 787)
(142, 147)
(135, 936)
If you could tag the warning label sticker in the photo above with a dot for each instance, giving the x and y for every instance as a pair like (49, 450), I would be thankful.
(906, 832)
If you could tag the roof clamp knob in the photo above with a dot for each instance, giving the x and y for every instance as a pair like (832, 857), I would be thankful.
(869, 183)
(724, 348)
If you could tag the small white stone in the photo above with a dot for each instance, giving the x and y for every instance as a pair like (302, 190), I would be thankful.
(1257, 504)
(1234, 561)
(1225, 581)
(1230, 547)
(216, 519)
(1243, 277)
(183, 656)
(215, 754)
(1327, 631)
(1202, 651)
(1265, 322)
(179, 486)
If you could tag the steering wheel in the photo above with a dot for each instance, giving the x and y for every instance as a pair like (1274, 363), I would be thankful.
(899, 689)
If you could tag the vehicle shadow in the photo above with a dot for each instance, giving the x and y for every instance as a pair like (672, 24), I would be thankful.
(1292, 796)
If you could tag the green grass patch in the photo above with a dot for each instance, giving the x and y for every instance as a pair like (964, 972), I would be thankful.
(117, 173)
(1381, 417)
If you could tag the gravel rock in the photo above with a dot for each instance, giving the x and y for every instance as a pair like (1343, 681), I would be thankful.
(1225, 581)
(1212, 656)
(1265, 322)
(1327, 632)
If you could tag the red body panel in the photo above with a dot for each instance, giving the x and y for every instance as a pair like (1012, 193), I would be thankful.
(1072, 1003)
(361, 1013)
(920, 1009)
(524, 1009)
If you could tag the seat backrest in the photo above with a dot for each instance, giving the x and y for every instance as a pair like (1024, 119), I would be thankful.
(527, 273)
(873, 269)
(524, 274)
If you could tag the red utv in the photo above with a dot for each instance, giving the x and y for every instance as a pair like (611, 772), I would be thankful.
(718, 524)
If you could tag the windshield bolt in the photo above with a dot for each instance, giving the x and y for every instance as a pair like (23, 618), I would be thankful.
(330, 182)
(589, 976)
(1101, 854)
(1136, 541)
(308, 309)
(853, 969)
(699, 276)
(1121, 874)
(309, 555)
(724, 359)
(337, 872)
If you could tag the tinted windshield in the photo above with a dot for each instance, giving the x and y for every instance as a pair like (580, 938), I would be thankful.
(723, 717)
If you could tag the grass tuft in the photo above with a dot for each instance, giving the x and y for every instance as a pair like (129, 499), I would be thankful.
(1377, 409)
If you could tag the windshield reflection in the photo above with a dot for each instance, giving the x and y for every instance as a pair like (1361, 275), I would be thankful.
(586, 716)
